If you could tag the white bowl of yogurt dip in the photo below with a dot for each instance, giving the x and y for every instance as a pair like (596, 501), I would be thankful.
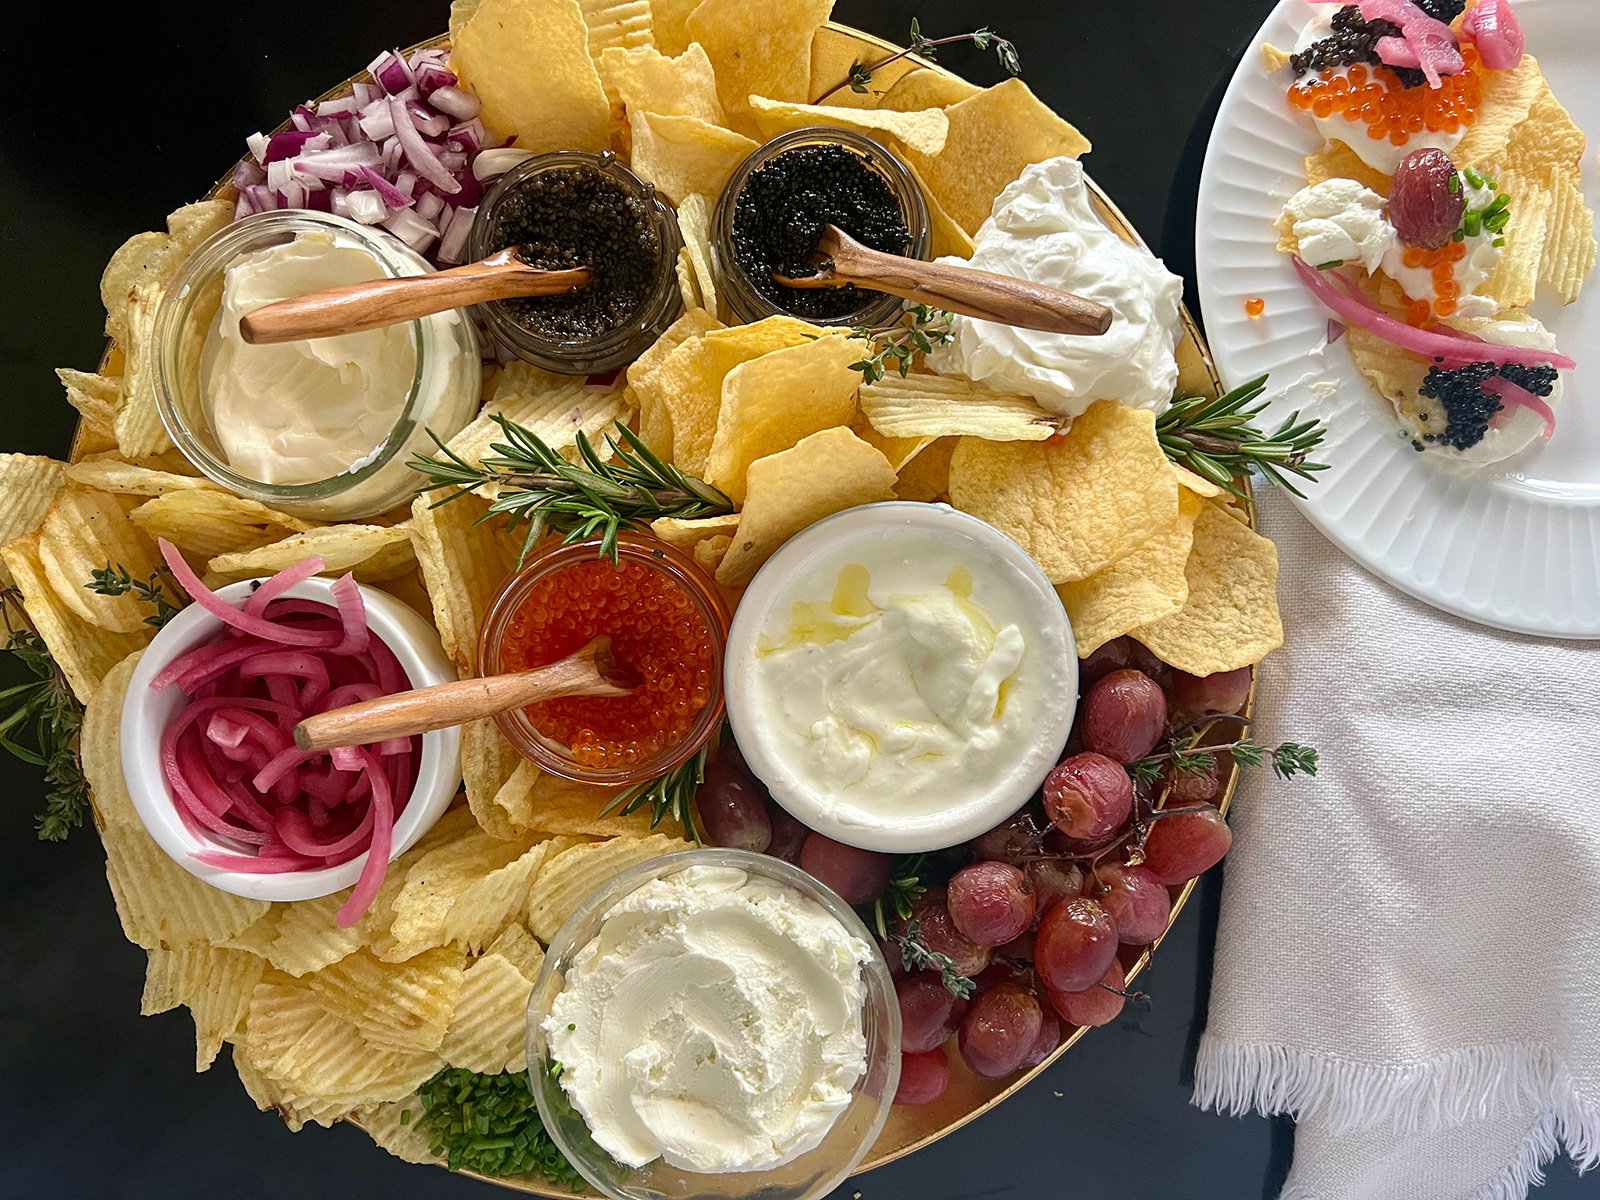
(714, 1023)
(901, 676)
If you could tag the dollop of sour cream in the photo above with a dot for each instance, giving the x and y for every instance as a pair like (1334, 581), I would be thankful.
(714, 1023)
(1339, 220)
(1043, 228)
(300, 412)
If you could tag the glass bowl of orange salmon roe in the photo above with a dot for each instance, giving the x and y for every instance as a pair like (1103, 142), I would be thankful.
(668, 627)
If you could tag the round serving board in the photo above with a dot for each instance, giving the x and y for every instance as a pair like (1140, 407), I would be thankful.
(835, 49)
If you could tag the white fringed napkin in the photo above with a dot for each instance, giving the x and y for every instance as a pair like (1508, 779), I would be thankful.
(1408, 957)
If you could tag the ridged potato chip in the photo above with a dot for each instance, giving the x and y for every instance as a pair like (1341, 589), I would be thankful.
(1516, 279)
(130, 479)
(647, 80)
(993, 136)
(100, 748)
(404, 1007)
(463, 561)
(1230, 618)
(1077, 503)
(218, 1006)
(152, 258)
(1569, 245)
(926, 476)
(86, 531)
(926, 88)
(488, 771)
(684, 155)
(395, 1126)
(945, 406)
(206, 522)
(434, 884)
(84, 652)
(1338, 161)
(1503, 104)
(569, 877)
(1548, 138)
(372, 553)
(825, 473)
(28, 486)
(554, 414)
(161, 904)
(616, 24)
(498, 899)
(518, 947)
(758, 47)
(771, 402)
(923, 131)
(898, 450)
(694, 223)
(170, 976)
(306, 937)
(688, 286)
(138, 427)
(487, 1029)
(1143, 587)
(98, 399)
(559, 106)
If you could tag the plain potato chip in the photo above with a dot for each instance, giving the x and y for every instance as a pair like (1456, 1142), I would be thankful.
(708, 555)
(825, 473)
(28, 486)
(687, 533)
(834, 60)
(98, 398)
(161, 904)
(569, 877)
(1230, 619)
(923, 131)
(528, 62)
(518, 947)
(694, 223)
(403, 1006)
(1143, 587)
(927, 87)
(898, 450)
(688, 286)
(1503, 104)
(1548, 138)
(670, 19)
(514, 801)
(647, 80)
(84, 652)
(1077, 503)
(372, 553)
(206, 522)
(915, 406)
(771, 402)
(1569, 245)
(694, 321)
(684, 155)
(1516, 278)
(130, 479)
(138, 427)
(758, 47)
(87, 531)
(563, 807)
(100, 747)
(490, 1021)
(460, 13)
(926, 477)
(1196, 484)
(1273, 59)
(945, 237)
(396, 1125)
(1337, 161)
(993, 136)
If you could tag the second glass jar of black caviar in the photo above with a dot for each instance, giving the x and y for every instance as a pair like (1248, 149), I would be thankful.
(782, 195)
(572, 208)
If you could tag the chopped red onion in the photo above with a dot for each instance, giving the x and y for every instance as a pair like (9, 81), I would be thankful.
(453, 244)
(417, 152)
(391, 72)
(452, 100)
(367, 207)
(376, 122)
(339, 106)
(430, 77)
(392, 196)
(430, 206)
(425, 120)
(410, 229)
(491, 163)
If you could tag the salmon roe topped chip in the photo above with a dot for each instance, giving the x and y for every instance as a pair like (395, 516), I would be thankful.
(1375, 97)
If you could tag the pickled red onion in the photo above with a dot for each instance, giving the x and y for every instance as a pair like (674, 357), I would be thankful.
(1516, 394)
(1494, 29)
(230, 763)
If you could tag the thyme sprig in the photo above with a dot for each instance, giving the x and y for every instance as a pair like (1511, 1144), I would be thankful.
(114, 579)
(905, 888)
(39, 723)
(1287, 759)
(1216, 440)
(861, 73)
(920, 328)
(541, 489)
(916, 955)
(672, 793)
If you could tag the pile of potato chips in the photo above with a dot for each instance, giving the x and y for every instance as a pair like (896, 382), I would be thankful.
(328, 1023)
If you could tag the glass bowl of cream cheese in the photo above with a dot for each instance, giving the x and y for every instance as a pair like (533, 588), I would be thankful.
(714, 1023)
(320, 428)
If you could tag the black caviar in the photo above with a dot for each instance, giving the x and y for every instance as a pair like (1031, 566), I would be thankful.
(1467, 406)
(780, 213)
(579, 216)
(1355, 40)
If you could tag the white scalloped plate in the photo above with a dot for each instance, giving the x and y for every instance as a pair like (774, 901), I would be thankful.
(1518, 550)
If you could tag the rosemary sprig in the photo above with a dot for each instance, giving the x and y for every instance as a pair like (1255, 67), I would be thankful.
(540, 488)
(40, 724)
(905, 888)
(861, 73)
(670, 793)
(114, 579)
(915, 954)
(920, 328)
(1215, 439)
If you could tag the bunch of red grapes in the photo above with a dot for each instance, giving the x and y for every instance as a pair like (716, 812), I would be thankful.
(1028, 919)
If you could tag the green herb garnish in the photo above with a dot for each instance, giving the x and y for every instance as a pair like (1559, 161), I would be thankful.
(861, 73)
(914, 953)
(114, 580)
(670, 793)
(920, 328)
(489, 1124)
(40, 724)
(1330, 264)
(905, 888)
(540, 488)
(1287, 759)
(1216, 440)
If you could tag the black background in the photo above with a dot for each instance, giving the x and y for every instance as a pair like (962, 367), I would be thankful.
(116, 114)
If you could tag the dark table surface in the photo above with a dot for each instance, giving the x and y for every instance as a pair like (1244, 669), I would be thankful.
(120, 113)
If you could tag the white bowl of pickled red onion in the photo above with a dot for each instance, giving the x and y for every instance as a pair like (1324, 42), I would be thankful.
(210, 762)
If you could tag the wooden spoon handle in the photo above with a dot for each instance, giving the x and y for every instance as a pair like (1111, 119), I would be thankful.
(974, 293)
(443, 705)
(360, 306)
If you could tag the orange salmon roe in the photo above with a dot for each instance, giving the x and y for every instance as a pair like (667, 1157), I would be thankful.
(1441, 264)
(1254, 307)
(1374, 97)
(656, 635)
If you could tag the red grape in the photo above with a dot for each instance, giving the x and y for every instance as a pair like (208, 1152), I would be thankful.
(788, 835)
(1115, 655)
(1088, 796)
(1424, 210)
(1077, 941)
(991, 902)
(1224, 692)
(1054, 880)
(1000, 1029)
(1095, 1005)
(1124, 715)
(891, 957)
(1056, 842)
(733, 811)
(1018, 949)
(857, 875)
(1184, 788)
(1045, 1044)
(1137, 902)
(929, 1012)
(923, 1077)
(939, 933)
(997, 972)
(1185, 845)
(1012, 838)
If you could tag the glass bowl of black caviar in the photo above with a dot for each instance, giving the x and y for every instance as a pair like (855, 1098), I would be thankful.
(772, 212)
(571, 208)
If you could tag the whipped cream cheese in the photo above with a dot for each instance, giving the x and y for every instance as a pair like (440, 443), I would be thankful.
(715, 1023)
(1043, 228)
(1339, 220)
(300, 412)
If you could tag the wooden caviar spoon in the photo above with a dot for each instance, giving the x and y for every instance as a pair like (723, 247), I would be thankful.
(379, 302)
(590, 671)
(966, 290)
